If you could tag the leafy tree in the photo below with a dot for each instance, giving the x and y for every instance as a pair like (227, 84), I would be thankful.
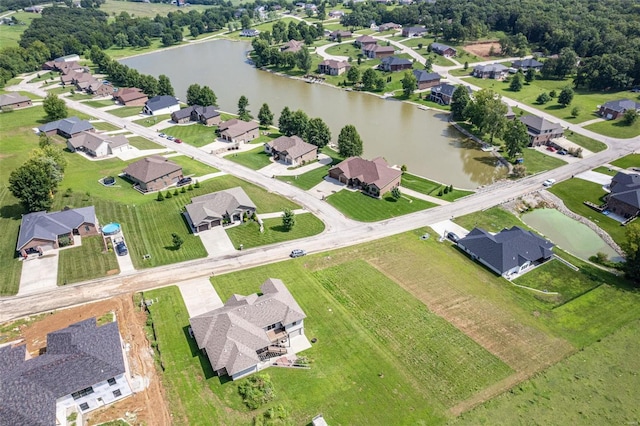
(353, 75)
(55, 107)
(519, 171)
(349, 142)
(409, 83)
(265, 116)
(575, 111)
(631, 248)
(34, 182)
(288, 220)
(530, 75)
(543, 98)
(299, 123)
(630, 117)
(515, 138)
(403, 168)
(487, 112)
(459, 101)
(318, 133)
(193, 94)
(369, 78)
(428, 64)
(553, 94)
(303, 60)
(395, 193)
(516, 83)
(284, 122)
(245, 21)
(121, 40)
(379, 83)
(207, 97)
(243, 112)
(164, 86)
(176, 240)
(322, 11)
(566, 96)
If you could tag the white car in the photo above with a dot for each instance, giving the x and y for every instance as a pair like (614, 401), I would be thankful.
(548, 182)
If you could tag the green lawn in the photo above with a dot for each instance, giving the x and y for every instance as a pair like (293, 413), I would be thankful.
(77, 96)
(125, 111)
(254, 159)
(249, 235)
(194, 134)
(100, 104)
(10, 214)
(266, 26)
(192, 167)
(86, 262)
(605, 170)
(117, 53)
(357, 206)
(494, 219)
(141, 10)
(536, 161)
(586, 142)
(428, 187)
(307, 180)
(10, 34)
(151, 120)
(45, 75)
(616, 129)
(143, 143)
(104, 126)
(627, 162)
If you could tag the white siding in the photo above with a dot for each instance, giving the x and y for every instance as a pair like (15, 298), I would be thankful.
(295, 330)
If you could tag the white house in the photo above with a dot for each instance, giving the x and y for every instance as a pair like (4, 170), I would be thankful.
(159, 105)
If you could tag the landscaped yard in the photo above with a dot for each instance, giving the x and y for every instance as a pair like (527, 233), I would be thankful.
(307, 180)
(100, 104)
(355, 205)
(86, 262)
(143, 143)
(428, 187)
(537, 162)
(493, 220)
(605, 170)
(193, 167)
(10, 215)
(586, 142)
(254, 159)
(628, 161)
(249, 235)
(125, 111)
(194, 134)
(104, 126)
(149, 121)
(616, 129)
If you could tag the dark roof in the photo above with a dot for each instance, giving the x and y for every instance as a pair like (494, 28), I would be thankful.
(160, 102)
(625, 187)
(184, 112)
(446, 89)
(151, 168)
(77, 357)
(540, 124)
(208, 112)
(622, 105)
(439, 47)
(422, 75)
(508, 248)
(491, 68)
(526, 63)
(414, 29)
(70, 126)
(48, 226)
(395, 61)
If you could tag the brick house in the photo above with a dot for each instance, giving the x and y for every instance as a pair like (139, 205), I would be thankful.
(494, 71)
(393, 64)
(14, 101)
(214, 209)
(426, 79)
(374, 51)
(443, 50)
(364, 40)
(291, 150)
(130, 96)
(67, 127)
(624, 196)
(443, 93)
(613, 110)
(373, 177)
(238, 131)
(541, 130)
(153, 173)
(413, 31)
(98, 145)
(334, 35)
(208, 115)
(292, 46)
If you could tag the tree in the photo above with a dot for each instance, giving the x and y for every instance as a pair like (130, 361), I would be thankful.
(243, 112)
(409, 83)
(160, 197)
(466, 65)
(245, 21)
(530, 75)
(515, 138)
(33, 184)
(379, 83)
(631, 248)
(395, 193)
(121, 40)
(630, 117)
(164, 86)
(176, 240)
(543, 98)
(566, 96)
(459, 101)
(55, 107)
(298, 124)
(575, 111)
(207, 96)
(519, 171)
(487, 112)
(303, 60)
(353, 75)
(193, 94)
(265, 116)
(322, 11)
(516, 83)
(318, 133)
(284, 122)
(369, 78)
(288, 220)
(349, 142)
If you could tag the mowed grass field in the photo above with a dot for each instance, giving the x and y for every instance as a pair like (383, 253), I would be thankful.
(10, 34)
(249, 235)
(10, 214)
(194, 134)
(358, 206)
(429, 187)
(254, 159)
(88, 261)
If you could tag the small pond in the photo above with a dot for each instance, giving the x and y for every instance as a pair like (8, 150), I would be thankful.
(569, 234)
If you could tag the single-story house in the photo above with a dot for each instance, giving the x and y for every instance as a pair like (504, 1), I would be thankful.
(443, 49)
(374, 177)
(426, 79)
(83, 80)
(615, 109)
(507, 252)
(250, 32)
(130, 96)
(42, 230)
(541, 130)
(183, 115)
(389, 26)
(211, 210)
(443, 93)
(249, 330)
(525, 64)
(364, 40)
(83, 368)
(99, 88)
(333, 67)
(153, 173)
(413, 31)
(239, 131)
(64, 67)
(291, 150)
(98, 145)
(334, 35)
(494, 71)
(336, 14)
(159, 105)
(67, 127)
(14, 101)
(208, 115)
(374, 51)
(292, 46)
(393, 64)
(624, 198)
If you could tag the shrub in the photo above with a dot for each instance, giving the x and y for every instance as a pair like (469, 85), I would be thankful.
(450, 188)
(183, 190)
(65, 241)
(440, 193)
(160, 197)
(196, 185)
(190, 187)
(257, 390)
(446, 190)
(168, 195)
(175, 193)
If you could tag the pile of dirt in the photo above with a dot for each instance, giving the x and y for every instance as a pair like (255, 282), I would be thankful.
(531, 201)
(483, 49)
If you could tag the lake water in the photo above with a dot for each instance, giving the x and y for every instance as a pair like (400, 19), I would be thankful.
(569, 234)
(401, 133)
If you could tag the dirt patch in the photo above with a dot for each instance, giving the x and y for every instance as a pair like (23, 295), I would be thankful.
(145, 407)
(483, 49)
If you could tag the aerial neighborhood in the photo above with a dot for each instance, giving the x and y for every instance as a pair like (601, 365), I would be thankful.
(289, 213)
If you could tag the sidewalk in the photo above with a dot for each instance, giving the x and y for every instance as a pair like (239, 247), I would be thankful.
(421, 196)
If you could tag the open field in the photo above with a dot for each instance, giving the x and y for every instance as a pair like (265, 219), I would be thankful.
(194, 134)
(192, 167)
(254, 159)
(494, 220)
(265, 26)
(149, 121)
(428, 187)
(249, 235)
(586, 142)
(117, 52)
(358, 206)
(100, 104)
(10, 34)
(149, 10)
(616, 129)
(125, 111)
(537, 162)
(104, 126)
(86, 262)
(628, 161)
(143, 143)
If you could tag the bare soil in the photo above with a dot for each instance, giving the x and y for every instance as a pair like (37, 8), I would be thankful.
(482, 49)
(146, 407)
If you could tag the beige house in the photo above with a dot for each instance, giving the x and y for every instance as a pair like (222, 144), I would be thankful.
(333, 67)
(14, 101)
(373, 177)
(218, 208)
(291, 150)
(153, 173)
(98, 145)
(239, 131)
(130, 96)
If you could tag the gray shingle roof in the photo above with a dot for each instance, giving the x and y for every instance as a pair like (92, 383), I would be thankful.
(48, 226)
(294, 146)
(491, 68)
(184, 112)
(625, 187)
(70, 126)
(92, 141)
(622, 105)
(12, 98)
(372, 172)
(439, 47)
(423, 76)
(540, 124)
(526, 63)
(151, 168)
(508, 248)
(77, 357)
(159, 102)
(395, 61)
(218, 204)
(235, 127)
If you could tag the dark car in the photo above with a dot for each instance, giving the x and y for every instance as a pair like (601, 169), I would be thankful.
(176, 140)
(184, 181)
(121, 248)
(297, 253)
(453, 237)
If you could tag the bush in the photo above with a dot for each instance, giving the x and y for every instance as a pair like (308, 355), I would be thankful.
(175, 193)
(190, 187)
(183, 190)
(257, 390)
(446, 190)
(168, 195)
(65, 241)
(160, 197)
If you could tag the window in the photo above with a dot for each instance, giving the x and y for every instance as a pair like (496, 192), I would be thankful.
(111, 381)
(83, 392)
(84, 406)
(117, 393)
(295, 323)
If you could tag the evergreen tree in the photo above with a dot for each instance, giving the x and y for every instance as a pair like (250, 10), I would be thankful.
(516, 83)
(284, 122)
(288, 220)
(243, 111)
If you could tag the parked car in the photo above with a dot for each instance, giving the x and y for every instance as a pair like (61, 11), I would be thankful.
(453, 237)
(171, 138)
(176, 140)
(548, 182)
(162, 135)
(121, 248)
(563, 152)
(184, 181)
(298, 253)
(552, 149)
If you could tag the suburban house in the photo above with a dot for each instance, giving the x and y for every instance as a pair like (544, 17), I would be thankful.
(159, 105)
(525, 64)
(217, 208)
(443, 93)
(130, 96)
(624, 198)
(14, 101)
(374, 51)
(292, 46)
(615, 109)
(249, 33)
(373, 177)
(336, 14)
(40, 231)
(389, 26)
(98, 88)
(153, 173)
(364, 40)
(64, 67)
(443, 50)
(208, 115)
(541, 130)
(393, 63)
(413, 31)
(426, 79)
(33, 9)
(334, 35)
(510, 251)
(248, 330)
(291, 150)
(494, 71)
(67, 127)
(239, 131)
(333, 67)
(98, 145)
(82, 368)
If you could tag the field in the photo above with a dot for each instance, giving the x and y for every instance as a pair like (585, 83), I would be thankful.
(143, 143)
(86, 262)
(10, 34)
(537, 162)
(586, 142)
(307, 180)
(99, 104)
(358, 206)
(194, 134)
(616, 129)
(151, 120)
(428, 187)
(104, 126)
(628, 161)
(605, 170)
(192, 167)
(125, 111)
(249, 235)
(493, 220)
(149, 10)
(254, 159)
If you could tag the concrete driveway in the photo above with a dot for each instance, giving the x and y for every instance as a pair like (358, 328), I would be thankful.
(216, 242)
(199, 296)
(327, 187)
(441, 228)
(280, 169)
(39, 274)
(596, 177)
